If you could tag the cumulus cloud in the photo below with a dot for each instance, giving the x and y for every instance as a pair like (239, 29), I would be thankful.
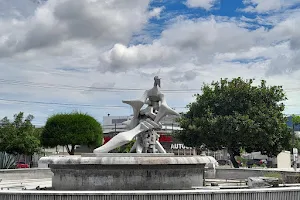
(184, 41)
(70, 43)
(205, 4)
(286, 61)
(121, 58)
(284, 64)
(187, 41)
(155, 12)
(60, 20)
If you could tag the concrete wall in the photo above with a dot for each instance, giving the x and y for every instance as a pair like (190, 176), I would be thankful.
(284, 160)
(242, 173)
(127, 177)
(31, 173)
(241, 194)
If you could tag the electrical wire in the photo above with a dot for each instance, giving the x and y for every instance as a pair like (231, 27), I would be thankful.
(66, 104)
(86, 88)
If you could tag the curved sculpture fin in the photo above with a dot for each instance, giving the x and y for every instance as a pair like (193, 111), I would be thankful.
(127, 136)
(136, 106)
(164, 110)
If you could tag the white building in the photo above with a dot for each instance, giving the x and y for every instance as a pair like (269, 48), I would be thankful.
(113, 124)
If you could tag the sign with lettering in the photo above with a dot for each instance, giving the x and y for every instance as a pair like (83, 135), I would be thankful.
(179, 146)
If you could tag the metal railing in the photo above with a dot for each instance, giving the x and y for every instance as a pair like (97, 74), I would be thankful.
(292, 193)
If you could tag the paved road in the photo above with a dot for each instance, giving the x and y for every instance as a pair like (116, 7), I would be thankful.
(28, 184)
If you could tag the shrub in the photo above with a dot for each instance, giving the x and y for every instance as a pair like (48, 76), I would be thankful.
(7, 161)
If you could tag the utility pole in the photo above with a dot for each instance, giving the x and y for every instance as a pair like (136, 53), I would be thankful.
(295, 158)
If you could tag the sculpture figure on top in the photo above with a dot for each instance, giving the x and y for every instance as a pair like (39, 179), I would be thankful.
(144, 123)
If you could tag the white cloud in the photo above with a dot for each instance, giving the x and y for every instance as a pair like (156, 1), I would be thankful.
(184, 41)
(76, 48)
(122, 58)
(200, 50)
(263, 6)
(60, 20)
(155, 12)
(205, 4)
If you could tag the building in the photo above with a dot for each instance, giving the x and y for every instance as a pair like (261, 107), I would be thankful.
(112, 125)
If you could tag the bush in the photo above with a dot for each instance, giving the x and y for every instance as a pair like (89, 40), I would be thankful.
(71, 129)
(275, 175)
(7, 161)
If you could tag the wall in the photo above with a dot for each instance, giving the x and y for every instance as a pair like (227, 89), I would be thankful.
(31, 173)
(139, 176)
(241, 174)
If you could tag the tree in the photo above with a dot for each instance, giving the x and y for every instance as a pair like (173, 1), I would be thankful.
(71, 129)
(18, 136)
(296, 119)
(126, 147)
(235, 114)
(295, 139)
(296, 122)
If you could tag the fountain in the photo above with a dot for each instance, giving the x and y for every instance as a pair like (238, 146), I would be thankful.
(147, 167)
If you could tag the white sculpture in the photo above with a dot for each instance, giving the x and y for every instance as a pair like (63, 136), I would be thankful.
(144, 124)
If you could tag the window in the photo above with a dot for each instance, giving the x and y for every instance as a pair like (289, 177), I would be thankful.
(118, 121)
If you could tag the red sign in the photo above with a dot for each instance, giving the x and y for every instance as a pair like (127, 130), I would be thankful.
(162, 138)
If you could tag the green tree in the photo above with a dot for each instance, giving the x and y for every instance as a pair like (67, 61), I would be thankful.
(236, 114)
(295, 140)
(126, 147)
(296, 122)
(296, 119)
(70, 130)
(18, 136)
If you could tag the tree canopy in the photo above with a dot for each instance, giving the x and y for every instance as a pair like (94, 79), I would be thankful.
(295, 139)
(18, 136)
(296, 119)
(71, 129)
(236, 114)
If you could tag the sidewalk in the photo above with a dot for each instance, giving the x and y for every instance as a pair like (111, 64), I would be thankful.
(25, 184)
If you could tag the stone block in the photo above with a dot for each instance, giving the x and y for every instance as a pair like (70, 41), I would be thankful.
(262, 182)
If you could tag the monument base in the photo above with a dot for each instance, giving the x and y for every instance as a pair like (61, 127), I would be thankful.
(128, 172)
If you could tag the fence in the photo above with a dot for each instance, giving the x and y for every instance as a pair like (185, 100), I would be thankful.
(242, 194)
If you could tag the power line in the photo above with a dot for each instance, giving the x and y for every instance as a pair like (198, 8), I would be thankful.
(103, 89)
(85, 105)
(86, 88)
(65, 104)
(59, 104)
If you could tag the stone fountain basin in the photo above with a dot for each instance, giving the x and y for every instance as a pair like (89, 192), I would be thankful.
(127, 171)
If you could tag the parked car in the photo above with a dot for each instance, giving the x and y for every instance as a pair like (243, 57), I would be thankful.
(224, 162)
(257, 162)
(21, 164)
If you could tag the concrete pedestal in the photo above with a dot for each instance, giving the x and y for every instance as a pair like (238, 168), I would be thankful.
(128, 172)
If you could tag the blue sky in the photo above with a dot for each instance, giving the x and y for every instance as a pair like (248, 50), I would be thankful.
(65, 55)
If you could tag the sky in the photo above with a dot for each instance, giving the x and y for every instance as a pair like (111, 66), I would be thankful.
(88, 55)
